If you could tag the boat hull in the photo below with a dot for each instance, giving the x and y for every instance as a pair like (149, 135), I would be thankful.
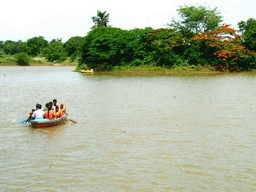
(87, 71)
(42, 123)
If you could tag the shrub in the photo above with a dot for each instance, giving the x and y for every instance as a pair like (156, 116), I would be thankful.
(22, 59)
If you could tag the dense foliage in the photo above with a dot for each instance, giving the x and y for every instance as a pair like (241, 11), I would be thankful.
(106, 47)
(22, 59)
(196, 20)
(225, 45)
(73, 47)
(248, 29)
(35, 45)
(196, 39)
(55, 51)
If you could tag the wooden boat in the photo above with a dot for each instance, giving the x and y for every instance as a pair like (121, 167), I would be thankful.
(87, 71)
(41, 123)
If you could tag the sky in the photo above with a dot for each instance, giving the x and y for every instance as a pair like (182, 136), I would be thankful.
(63, 19)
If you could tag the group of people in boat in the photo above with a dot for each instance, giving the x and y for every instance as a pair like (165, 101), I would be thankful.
(52, 110)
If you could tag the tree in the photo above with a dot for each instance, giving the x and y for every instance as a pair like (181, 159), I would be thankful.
(196, 20)
(166, 46)
(12, 47)
(1, 45)
(73, 47)
(22, 59)
(108, 47)
(36, 45)
(248, 30)
(134, 50)
(1, 48)
(55, 51)
(101, 46)
(227, 49)
(101, 20)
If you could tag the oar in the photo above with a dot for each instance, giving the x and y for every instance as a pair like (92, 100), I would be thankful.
(23, 121)
(72, 120)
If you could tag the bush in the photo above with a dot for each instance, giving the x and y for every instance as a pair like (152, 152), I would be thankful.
(22, 59)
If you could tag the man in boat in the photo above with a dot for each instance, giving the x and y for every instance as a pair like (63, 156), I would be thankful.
(38, 113)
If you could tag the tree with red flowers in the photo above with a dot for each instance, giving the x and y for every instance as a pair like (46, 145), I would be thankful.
(227, 49)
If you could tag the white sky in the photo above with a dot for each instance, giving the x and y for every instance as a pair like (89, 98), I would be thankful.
(24, 19)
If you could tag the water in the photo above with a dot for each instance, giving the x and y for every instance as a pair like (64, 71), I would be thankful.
(134, 133)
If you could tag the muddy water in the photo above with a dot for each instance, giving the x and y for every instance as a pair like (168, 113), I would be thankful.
(134, 133)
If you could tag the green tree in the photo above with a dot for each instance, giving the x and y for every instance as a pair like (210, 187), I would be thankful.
(22, 59)
(13, 47)
(101, 20)
(1, 48)
(73, 47)
(101, 47)
(55, 51)
(196, 19)
(107, 47)
(248, 30)
(134, 49)
(166, 47)
(36, 45)
(1, 45)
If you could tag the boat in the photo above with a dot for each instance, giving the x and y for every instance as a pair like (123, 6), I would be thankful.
(87, 71)
(41, 123)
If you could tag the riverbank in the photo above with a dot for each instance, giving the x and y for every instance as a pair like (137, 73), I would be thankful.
(36, 61)
(131, 70)
(153, 70)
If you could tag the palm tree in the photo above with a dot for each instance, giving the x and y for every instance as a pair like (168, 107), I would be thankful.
(101, 20)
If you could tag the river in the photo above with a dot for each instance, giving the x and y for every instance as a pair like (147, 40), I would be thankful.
(134, 132)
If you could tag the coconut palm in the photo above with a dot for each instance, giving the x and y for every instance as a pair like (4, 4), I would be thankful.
(101, 20)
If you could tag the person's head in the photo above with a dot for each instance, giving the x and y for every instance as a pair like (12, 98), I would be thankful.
(54, 101)
(48, 106)
(38, 106)
(31, 112)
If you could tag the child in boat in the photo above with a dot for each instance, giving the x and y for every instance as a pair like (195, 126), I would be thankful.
(60, 111)
(49, 114)
(55, 105)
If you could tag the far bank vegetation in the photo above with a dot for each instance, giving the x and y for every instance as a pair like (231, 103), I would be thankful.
(198, 39)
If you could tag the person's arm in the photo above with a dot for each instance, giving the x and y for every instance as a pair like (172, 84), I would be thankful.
(34, 115)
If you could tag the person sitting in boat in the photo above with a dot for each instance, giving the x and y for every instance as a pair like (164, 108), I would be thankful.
(55, 104)
(46, 107)
(30, 115)
(61, 110)
(58, 113)
(38, 113)
(49, 114)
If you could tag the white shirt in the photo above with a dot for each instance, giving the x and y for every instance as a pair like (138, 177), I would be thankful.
(38, 114)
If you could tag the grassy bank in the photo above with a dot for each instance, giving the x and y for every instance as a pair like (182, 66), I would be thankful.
(9, 60)
(154, 70)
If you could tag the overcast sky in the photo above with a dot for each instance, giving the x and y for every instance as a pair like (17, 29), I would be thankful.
(24, 19)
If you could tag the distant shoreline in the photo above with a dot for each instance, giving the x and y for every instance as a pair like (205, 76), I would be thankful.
(37, 64)
(135, 71)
